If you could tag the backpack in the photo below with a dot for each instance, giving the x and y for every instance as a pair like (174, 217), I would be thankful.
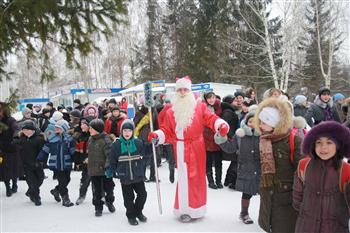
(344, 177)
(292, 134)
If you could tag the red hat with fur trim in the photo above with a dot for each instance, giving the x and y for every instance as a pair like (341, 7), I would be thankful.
(184, 82)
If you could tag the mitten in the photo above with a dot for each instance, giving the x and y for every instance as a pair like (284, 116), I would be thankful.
(219, 139)
(223, 129)
(109, 173)
(153, 138)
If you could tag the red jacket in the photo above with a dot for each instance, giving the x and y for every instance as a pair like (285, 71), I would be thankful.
(208, 134)
(108, 125)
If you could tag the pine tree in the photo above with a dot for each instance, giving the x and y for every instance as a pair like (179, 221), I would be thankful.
(28, 25)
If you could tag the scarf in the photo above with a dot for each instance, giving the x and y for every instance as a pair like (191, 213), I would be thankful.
(328, 114)
(267, 160)
(127, 145)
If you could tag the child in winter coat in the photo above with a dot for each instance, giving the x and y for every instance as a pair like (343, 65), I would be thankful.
(61, 148)
(127, 159)
(99, 150)
(320, 198)
(245, 144)
(81, 156)
(273, 119)
(30, 144)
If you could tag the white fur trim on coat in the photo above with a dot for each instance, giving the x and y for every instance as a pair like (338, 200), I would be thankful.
(161, 136)
(218, 122)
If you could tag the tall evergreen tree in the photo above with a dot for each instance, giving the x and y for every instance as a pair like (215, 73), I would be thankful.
(28, 25)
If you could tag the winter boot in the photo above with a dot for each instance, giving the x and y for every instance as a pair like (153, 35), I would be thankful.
(80, 200)
(14, 186)
(110, 207)
(246, 219)
(211, 183)
(171, 175)
(55, 194)
(142, 217)
(133, 221)
(66, 201)
(218, 175)
(37, 201)
(185, 218)
(244, 216)
(98, 213)
(8, 189)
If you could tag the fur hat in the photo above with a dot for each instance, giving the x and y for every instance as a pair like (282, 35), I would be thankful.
(330, 129)
(270, 116)
(127, 124)
(299, 99)
(299, 122)
(28, 124)
(184, 82)
(285, 115)
(56, 116)
(91, 109)
(98, 125)
(26, 111)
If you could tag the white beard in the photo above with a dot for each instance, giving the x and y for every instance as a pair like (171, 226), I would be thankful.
(184, 108)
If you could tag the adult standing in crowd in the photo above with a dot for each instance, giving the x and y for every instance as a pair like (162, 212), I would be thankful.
(300, 105)
(323, 108)
(10, 164)
(184, 124)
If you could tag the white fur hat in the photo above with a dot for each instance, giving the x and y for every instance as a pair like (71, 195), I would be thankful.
(184, 82)
(270, 116)
(56, 116)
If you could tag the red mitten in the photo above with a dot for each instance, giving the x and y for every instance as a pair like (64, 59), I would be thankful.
(152, 137)
(223, 130)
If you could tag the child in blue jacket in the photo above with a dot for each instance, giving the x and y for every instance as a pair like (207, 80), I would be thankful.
(61, 148)
(127, 159)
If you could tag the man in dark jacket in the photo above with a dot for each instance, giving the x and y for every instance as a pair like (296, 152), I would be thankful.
(30, 144)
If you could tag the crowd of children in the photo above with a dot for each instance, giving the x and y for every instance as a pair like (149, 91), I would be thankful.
(302, 179)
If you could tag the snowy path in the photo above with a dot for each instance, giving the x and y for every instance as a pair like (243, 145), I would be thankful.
(18, 214)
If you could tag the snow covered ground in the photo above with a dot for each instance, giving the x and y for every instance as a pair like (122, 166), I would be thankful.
(19, 214)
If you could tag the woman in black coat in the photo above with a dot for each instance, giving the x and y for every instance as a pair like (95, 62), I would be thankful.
(10, 163)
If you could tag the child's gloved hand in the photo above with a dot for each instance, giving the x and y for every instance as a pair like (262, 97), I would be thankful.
(109, 173)
(219, 139)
